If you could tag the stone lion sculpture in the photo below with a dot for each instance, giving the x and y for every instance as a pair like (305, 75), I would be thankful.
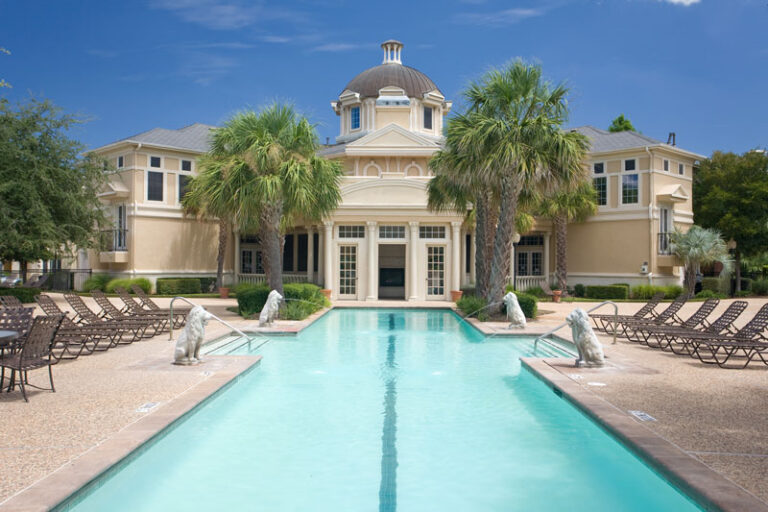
(515, 314)
(191, 338)
(590, 349)
(270, 309)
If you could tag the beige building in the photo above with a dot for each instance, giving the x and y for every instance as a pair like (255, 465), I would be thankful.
(382, 241)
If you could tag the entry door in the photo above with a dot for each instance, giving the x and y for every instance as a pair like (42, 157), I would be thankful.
(436, 272)
(348, 272)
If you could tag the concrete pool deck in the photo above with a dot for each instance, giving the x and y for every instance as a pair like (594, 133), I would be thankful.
(719, 417)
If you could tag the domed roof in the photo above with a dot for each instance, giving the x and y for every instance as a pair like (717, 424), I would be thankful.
(412, 81)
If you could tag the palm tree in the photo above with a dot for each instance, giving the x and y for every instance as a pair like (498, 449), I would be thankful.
(695, 247)
(270, 176)
(515, 118)
(568, 204)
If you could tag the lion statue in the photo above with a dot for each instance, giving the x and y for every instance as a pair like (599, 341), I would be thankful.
(515, 314)
(270, 309)
(590, 349)
(191, 338)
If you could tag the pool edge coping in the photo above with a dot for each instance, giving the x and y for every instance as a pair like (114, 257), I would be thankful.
(709, 489)
(78, 475)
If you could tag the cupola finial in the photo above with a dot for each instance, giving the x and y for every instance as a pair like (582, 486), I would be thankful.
(392, 50)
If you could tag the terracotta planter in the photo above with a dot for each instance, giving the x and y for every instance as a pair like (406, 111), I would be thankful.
(556, 294)
(224, 292)
(456, 295)
(327, 293)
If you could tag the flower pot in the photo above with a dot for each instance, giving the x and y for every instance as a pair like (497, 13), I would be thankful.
(224, 292)
(456, 295)
(327, 293)
(556, 294)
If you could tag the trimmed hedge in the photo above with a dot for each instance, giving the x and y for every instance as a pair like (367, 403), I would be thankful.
(208, 284)
(251, 299)
(760, 287)
(126, 283)
(579, 290)
(709, 294)
(714, 284)
(178, 285)
(302, 299)
(647, 291)
(25, 295)
(607, 292)
(96, 282)
(471, 305)
(528, 304)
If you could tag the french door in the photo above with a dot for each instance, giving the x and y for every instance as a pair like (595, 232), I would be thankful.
(348, 272)
(435, 272)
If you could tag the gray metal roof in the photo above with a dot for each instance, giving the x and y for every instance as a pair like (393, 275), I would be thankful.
(195, 137)
(414, 82)
(606, 141)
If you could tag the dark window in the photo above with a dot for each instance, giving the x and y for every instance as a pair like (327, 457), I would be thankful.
(354, 118)
(301, 265)
(531, 240)
(183, 184)
(288, 254)
(666, 165)
(315, 251)
(428, 118)
(598, 168)
(601, 187)
(250, 239)
(351, 231)
(680, 169)
(468, 254)
(154, 161)
(120, 162)
(431, 231)
(155, 186)
(246, 262)
(629, 165)
(186, 165)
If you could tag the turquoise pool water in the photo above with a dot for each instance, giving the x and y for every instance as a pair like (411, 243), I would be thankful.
(387, 410)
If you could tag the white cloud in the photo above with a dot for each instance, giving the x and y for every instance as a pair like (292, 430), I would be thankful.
(499, 18)
(686, 3)
(339, 47)
(226, 14)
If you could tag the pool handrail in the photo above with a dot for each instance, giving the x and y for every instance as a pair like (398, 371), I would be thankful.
(555, 329)
(170, 331)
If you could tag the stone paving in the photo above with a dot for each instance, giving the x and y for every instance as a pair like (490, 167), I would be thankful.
(718, 416)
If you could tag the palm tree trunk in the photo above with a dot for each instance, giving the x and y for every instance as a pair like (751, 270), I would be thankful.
(737, 255)
(502, 245)
(23, 269)
(690, 279)
(561, 239)
(223, 232)
(482, 269)
(271, 245)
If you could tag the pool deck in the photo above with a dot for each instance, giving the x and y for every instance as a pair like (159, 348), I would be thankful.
(712, 422)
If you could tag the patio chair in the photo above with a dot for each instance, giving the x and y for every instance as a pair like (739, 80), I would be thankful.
(10, 302)
(34, 352)
(14, 319)
(602, 321)
(676, 339)
(158, 323)
(667, 317)
(698, 319)
(148, 303)
(135, 308)
(137, 329)
(39, 282)
(744, 345)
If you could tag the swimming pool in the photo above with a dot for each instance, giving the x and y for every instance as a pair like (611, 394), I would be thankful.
(392, 410)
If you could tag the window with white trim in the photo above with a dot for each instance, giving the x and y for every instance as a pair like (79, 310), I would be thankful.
(183, 185)
(432, 232)
(354, 118)
(392, 232)
(154, 161)
(630, 164)
(666, 165)
(186, 165)
(154, 186)
(351, 231)
(630, 189)
(681, 169)
(598, 167)
(428, 118)
(601, 188)
(120, 162)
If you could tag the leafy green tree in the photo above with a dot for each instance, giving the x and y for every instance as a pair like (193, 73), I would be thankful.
(570, 203)
(266, 175)
(730, 194)
(48, 189)
(698, 246)
(621, 124)
(3, 83)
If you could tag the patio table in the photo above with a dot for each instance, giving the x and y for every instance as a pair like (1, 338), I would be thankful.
(6, 340)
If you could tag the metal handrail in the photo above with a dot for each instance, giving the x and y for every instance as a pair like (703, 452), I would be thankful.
(615, 319)
(170, 331)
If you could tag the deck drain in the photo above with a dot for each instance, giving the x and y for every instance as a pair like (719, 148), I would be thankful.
(597, 384)
(642, 416)
(147, 406)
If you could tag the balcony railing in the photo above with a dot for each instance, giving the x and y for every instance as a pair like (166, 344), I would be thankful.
(664, 243)
(262, 278)
(113, 240)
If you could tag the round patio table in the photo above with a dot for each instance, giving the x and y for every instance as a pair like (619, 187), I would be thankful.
(6, 338)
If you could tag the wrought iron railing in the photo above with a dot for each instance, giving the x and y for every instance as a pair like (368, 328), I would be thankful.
(665, 240)
(262, 278)
(113, 240)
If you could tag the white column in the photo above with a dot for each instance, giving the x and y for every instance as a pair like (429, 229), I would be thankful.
(413, 260)
(373, 292)
(456, 256)
(310, 253)
(545, 263)
(328, 255)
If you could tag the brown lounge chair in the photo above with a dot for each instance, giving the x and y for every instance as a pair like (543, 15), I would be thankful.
(135, 308)
(603, 321)
(134, 329)
(667, 317)
(149, 304)
(158, 323)
(743, 346)
(698, 319)
(677, 339)
(10, 302)
(34, 352)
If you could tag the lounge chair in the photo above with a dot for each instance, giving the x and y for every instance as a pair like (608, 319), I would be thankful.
(667, 317)
(603, 321)
(676, 339)
(158, 323)
(698, 320)
(85, 316)
(10, 302)
(151, 305)
(34, 352)
(135, 308)
(745, 345)
(39, 282)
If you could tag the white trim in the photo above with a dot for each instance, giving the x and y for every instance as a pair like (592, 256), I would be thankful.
(146, 186)
(639, 189)
(624, 164)
(372, 163)
(149, 161)
(117, 161)
(191, 165)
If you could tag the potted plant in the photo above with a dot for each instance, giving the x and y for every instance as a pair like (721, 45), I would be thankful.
(556, 294)
(326, 292)
(224, 292)
(456, 295)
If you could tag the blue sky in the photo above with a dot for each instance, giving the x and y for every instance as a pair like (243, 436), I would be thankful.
(696, 67)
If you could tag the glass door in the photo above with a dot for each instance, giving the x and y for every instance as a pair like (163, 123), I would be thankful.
(348, 272)
(435, 272)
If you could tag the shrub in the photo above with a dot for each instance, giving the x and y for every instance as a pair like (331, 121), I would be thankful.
(746, 283)
(208, 284)
(647, 291)
(606, 292)
(96, 282)
(579, 290)
(709, 294)
(672, 291)
(473, 306)
(741, 293)
(178, 285)
(241, 287)
(536, 291)
(252, 299)
(622, 284)
(126, 283)
(468, 290)
(760, 287)
(528, 304)
(714, 284)
(307, 295)
(25, 295)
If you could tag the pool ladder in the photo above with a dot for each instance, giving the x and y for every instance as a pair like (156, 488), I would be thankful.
(170, 331)
(543, 337)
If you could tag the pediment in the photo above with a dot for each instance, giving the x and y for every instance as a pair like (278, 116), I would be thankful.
(114, 187)
(387, 193)
(674, 193)
(393, 135)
